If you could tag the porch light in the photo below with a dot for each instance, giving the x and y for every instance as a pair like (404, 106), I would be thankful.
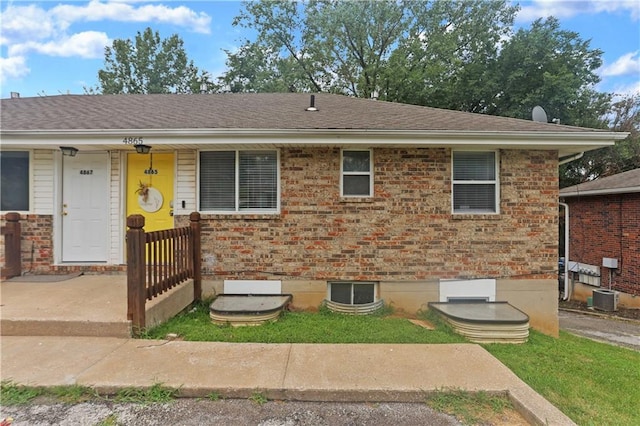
(143, 149)
(69, 151)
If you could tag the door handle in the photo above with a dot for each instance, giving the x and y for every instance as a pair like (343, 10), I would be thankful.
(171, 212)
(64, 213)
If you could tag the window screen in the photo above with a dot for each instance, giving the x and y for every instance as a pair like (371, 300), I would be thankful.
(14, 192)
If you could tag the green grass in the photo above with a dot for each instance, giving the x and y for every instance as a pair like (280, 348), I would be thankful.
(157, 393)
(593, 383)
(14, 394)
(305, 327)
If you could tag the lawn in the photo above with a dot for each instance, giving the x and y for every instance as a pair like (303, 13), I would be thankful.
(593, 383)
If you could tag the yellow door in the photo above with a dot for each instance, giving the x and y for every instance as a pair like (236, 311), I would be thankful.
(150, 189)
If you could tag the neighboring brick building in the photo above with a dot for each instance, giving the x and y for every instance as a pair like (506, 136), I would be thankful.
(604, 222)
(353, 199)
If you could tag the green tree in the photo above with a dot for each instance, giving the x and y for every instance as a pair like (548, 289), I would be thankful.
(545, 65)
(446, 58)
(149, 64)
(624, 115)
(319, 46)
(404, 51)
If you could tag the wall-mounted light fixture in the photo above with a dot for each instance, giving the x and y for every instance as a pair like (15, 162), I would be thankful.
(143, 149)
(69, 151)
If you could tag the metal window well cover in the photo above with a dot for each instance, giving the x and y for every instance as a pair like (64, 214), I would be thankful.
(363, 309)
(247, 309)
(485, 322)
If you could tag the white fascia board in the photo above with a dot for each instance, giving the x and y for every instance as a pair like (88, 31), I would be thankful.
(565, 142)
(627, 190)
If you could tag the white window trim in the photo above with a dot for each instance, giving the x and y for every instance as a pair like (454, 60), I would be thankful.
(369, 173)
(354, 283)
(31, 182)
(237, 210)
(495, 182)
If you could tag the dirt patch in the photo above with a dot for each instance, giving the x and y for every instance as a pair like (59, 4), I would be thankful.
(633, 314)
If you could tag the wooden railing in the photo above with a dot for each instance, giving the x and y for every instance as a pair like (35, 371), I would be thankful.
(158, 261)
(12, 241)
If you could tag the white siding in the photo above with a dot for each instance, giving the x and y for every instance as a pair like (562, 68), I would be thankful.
(116, 218)
(43, 181)
(186, 189)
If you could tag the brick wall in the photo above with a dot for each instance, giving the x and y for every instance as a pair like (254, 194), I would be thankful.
(607, 226)
(406, 232)
(37, 249)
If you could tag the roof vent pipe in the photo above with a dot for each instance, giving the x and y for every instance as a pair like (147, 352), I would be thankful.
(312, 105)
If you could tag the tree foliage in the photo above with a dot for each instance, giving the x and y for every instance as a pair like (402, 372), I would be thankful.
(149, 64)
(624, 156)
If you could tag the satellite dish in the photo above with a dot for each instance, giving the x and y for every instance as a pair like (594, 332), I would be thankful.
(539, 115)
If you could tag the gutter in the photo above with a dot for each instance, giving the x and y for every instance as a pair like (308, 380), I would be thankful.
(566, 251)
(571, 158)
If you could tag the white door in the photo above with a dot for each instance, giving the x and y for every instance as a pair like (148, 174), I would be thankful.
(85, 207)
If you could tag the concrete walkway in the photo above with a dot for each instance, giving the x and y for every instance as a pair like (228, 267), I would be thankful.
(90, 313)
(306, 372)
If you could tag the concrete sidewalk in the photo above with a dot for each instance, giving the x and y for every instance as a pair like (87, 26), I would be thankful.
(306, 372)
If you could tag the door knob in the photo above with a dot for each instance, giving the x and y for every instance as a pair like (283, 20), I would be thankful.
(64, 213)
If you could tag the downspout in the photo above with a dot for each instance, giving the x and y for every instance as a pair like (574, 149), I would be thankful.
(566, 251)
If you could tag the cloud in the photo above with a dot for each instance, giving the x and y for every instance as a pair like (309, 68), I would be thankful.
(568, 8)
(124, 12)
(88, 44)
(628, 64)
(12, 68)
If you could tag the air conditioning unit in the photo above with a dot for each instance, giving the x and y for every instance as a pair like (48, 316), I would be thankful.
(605, 300)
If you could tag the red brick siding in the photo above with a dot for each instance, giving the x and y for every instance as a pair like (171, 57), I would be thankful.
(405, 232)
(607, 226)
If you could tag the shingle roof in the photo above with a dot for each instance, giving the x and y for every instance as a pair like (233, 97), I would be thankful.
(247, 111)
(625, 182)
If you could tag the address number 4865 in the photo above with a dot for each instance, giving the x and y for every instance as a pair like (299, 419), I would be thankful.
(131, 140)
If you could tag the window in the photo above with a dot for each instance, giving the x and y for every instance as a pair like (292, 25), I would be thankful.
(352, 293)
(14, 192)
(475, 182)
(357, 178)
(232, 181)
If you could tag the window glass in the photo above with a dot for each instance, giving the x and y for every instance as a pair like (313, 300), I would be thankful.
(258, 180)
(356, 161)
(363, 293)
(341, 293)
(218, 180)
(14, 190)
(474, 165)
(356, 185)
(475, 184)
(356, 173)
(353, 293)
(239, 180)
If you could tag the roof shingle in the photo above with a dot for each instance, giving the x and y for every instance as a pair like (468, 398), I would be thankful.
(275, 111)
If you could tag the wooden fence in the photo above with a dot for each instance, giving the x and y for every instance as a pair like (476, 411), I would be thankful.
(158, 261)
(12, 239)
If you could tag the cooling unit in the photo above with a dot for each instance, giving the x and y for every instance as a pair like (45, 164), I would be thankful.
(605, 300)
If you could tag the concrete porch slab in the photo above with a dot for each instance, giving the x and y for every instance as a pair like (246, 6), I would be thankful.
(87, 305)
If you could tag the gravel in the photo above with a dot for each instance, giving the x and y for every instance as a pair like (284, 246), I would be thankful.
(187, 412)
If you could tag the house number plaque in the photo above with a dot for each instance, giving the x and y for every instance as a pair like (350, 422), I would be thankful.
(86, 172)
